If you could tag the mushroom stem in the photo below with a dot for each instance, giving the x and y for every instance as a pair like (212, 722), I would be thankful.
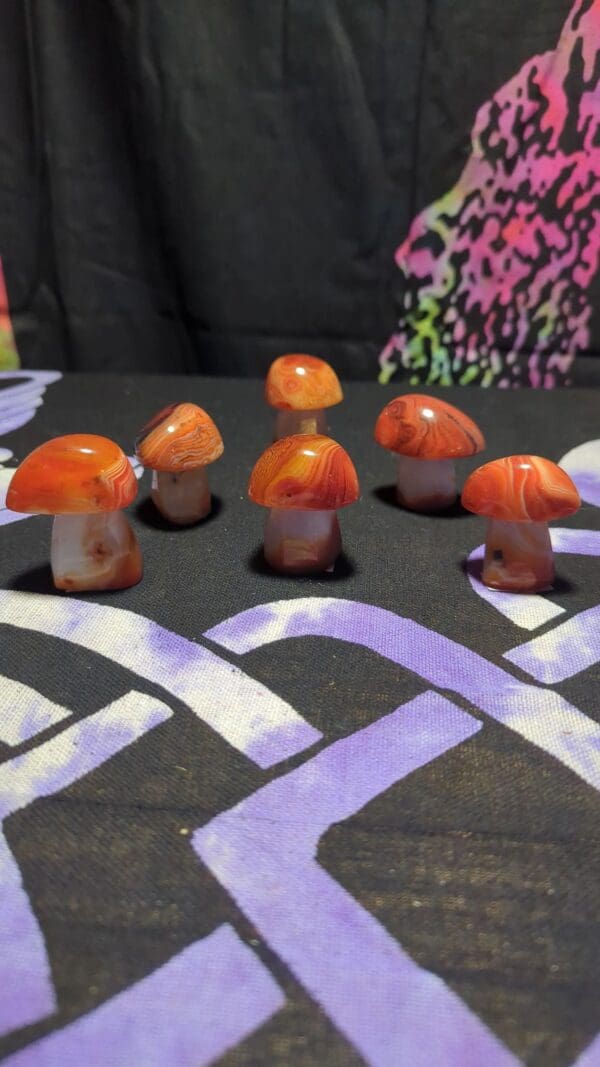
(518, 557)
(425, 484)
(92, 552)
(182, 497)
(291, 422)
(302, 542)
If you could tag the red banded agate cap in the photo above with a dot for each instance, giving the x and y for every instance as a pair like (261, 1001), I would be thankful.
(76, 474)
(520, 489)
(308, 472)
(427, 428)
(302, 383)
(181, 437)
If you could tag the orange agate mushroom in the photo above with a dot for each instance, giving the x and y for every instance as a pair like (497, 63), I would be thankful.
(427, 435)
(177, 445)
(301, 387)
(519, 495)
(84, 480)
(304, 480)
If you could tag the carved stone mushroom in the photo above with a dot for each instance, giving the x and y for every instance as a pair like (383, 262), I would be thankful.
(519, 495)
(301, 387)
(304, 480)
(177, 445)
(84, 480)
(427, 435)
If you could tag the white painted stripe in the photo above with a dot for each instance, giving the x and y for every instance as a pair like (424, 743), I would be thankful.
(245, 713)
(24, 712)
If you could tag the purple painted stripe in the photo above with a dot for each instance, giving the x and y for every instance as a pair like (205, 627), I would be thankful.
(190, 1011)
(539, 715)
(11, 405)
(583, 464)
(18, 403)
(263, 851)
(588, 484)
(13, 421)
(26, 990)
(562, 652)
(29, 382)
(7, 517)
(578, 542)
(245, 713)
(19, 398)
(21, 395)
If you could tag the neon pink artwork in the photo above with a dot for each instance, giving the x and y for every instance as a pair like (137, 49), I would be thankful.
(497, 272)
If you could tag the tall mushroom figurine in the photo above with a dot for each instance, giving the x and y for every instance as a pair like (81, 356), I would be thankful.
(301, 387)
(427, 435)
(519, 495)
(304, 479)
(84, 480)
(177, 445)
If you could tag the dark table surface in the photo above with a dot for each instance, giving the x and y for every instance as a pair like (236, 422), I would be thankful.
(357, 824)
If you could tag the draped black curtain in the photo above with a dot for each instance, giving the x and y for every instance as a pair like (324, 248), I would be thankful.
(199, 185)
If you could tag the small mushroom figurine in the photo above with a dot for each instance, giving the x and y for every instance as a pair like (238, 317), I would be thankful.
(304, 480)
(177, 445)
(84, 480)
(301, 387)
(519, 495)
(427, 435)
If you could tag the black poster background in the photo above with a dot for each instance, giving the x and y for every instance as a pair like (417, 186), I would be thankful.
(200, 186)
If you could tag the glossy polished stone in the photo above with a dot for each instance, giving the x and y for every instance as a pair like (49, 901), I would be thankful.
(182, 498)
(177, 445)
(304, 472)
(521, 489)
(74, 474)
(302, 542)
(426, 485)
(181, 437)
(518, 557)
(519, 495)
(304, 480)
(94, 552)
(302, 383)
(427, 428)
(427, 435)
(288, 423)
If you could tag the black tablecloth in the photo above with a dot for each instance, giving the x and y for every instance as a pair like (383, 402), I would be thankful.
(358, 823)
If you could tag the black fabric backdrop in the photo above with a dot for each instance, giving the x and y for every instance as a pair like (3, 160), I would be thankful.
(198, 186)
(496, 841)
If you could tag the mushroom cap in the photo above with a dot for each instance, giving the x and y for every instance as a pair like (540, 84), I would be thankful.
(180, 437)
(427, 428)
(80, 473)
(305, 472)
(520, 489)
(302, 383)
